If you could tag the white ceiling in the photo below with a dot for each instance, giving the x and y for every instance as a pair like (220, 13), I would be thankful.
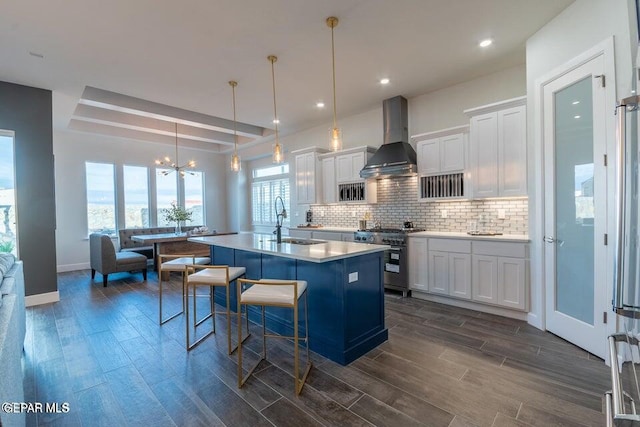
(181, 54)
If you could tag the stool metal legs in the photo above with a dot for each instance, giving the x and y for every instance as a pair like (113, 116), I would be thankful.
(212, 314)
(299, 381)
(173, 316)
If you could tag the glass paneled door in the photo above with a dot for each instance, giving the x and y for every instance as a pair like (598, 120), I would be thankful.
(8, 221)
(575, 206)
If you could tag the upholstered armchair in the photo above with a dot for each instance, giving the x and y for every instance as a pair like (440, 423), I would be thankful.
(105, 260)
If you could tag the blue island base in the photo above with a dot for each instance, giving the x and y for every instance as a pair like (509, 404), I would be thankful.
(346, 299)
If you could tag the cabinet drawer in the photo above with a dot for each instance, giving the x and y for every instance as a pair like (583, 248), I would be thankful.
(450, 245)
(514, 250)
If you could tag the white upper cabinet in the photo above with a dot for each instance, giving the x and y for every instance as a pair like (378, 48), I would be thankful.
(329, 180)
(308, 176)
(348, 167)
(498, 148)
(442, 151)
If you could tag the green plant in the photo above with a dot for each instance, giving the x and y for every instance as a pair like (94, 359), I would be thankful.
(6, 246)
(176, 213)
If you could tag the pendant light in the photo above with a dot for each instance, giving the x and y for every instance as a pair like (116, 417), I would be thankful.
(278, 150)
(336, 138)
(175, 166)
(235, 158)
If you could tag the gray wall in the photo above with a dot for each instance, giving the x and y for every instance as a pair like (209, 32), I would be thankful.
(27, 111)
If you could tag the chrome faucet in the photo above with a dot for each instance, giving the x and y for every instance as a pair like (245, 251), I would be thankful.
(280, 216)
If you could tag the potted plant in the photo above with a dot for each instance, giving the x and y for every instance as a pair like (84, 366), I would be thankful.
(177, 214)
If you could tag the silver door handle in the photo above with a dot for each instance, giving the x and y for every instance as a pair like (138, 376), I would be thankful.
(550, 239)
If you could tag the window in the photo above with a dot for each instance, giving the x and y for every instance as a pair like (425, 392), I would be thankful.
(136, 197)
(194, 196)
(269, 183)
(101, 198)
(166, 192)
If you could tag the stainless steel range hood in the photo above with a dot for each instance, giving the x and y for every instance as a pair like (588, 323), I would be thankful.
(395, 157)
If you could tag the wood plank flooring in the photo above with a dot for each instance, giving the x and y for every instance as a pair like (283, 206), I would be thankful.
(102, 351)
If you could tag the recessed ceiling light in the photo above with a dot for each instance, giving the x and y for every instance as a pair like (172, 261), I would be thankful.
(486, 42)
(276, 121)
(576, 117)
(576, 102)
(384, 81)
(320, 104)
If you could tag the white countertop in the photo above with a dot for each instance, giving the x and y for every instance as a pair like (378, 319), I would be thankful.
(263, 243)
(520, 238)
(327, 228)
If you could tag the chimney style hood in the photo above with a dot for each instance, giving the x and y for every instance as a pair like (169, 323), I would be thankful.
(395, 157)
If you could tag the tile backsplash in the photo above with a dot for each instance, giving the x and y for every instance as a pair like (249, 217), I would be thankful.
(398, 202)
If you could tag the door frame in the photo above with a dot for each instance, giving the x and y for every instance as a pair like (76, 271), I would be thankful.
(12, 134)
(537, 315)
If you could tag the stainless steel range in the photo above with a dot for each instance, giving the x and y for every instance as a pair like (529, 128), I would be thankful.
(396, 271)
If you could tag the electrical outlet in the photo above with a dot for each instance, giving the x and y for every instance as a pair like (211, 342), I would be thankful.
(297, 214)
(501, 214)
(322, 214)
(353, 277)
(353, 214)
(444, 213)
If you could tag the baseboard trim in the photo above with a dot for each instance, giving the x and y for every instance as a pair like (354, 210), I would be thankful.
(38, 299)
(470, 305)
(73, 267)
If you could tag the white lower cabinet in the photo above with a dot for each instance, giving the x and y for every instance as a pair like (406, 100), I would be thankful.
(488, 272)
(347, 237)
(299, 234)
(327, 235)
(418, 278)
(450, 267)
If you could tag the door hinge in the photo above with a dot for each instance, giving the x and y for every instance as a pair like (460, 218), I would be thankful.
(603, 79)
(606, 239)
(605, 160)
(604, 317)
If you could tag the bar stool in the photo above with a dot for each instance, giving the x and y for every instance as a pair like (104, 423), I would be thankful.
(177, 263)
(212, 276)
(275, 293)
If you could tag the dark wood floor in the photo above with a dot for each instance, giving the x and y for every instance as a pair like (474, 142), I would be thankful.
(102, 351)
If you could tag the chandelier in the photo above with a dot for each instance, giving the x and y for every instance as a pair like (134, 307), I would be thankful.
(175, 166)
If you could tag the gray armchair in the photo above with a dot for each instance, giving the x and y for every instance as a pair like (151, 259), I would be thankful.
(105, 260)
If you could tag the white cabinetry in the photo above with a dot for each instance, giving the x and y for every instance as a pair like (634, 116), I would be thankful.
(487, 272)
(498, 149)
(308, 175)
(442, 154)
(418, 272)
(341, 177)
(326, 235)
(500, 274)
(299, 234)
(450, 267)
(329, 180)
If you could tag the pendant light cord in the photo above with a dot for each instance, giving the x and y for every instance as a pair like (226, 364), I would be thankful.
(235, 129)
(273, 59)
(177, 162)
(333, 62)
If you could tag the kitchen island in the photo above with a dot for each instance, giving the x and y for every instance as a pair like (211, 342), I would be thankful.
(345, 288)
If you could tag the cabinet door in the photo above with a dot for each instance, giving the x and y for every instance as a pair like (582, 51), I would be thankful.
(310, 180)
(327, 235)
(512, 152)
(439, 272)
(343, 168)
(299, 234)
(484, 146)
(484, 276)
(301, 179)
(428, 156)
(452, 153)
(329, 180)
(512, 283)
(347, 237)
(418, 279)
(357, 163)
(460, 275)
